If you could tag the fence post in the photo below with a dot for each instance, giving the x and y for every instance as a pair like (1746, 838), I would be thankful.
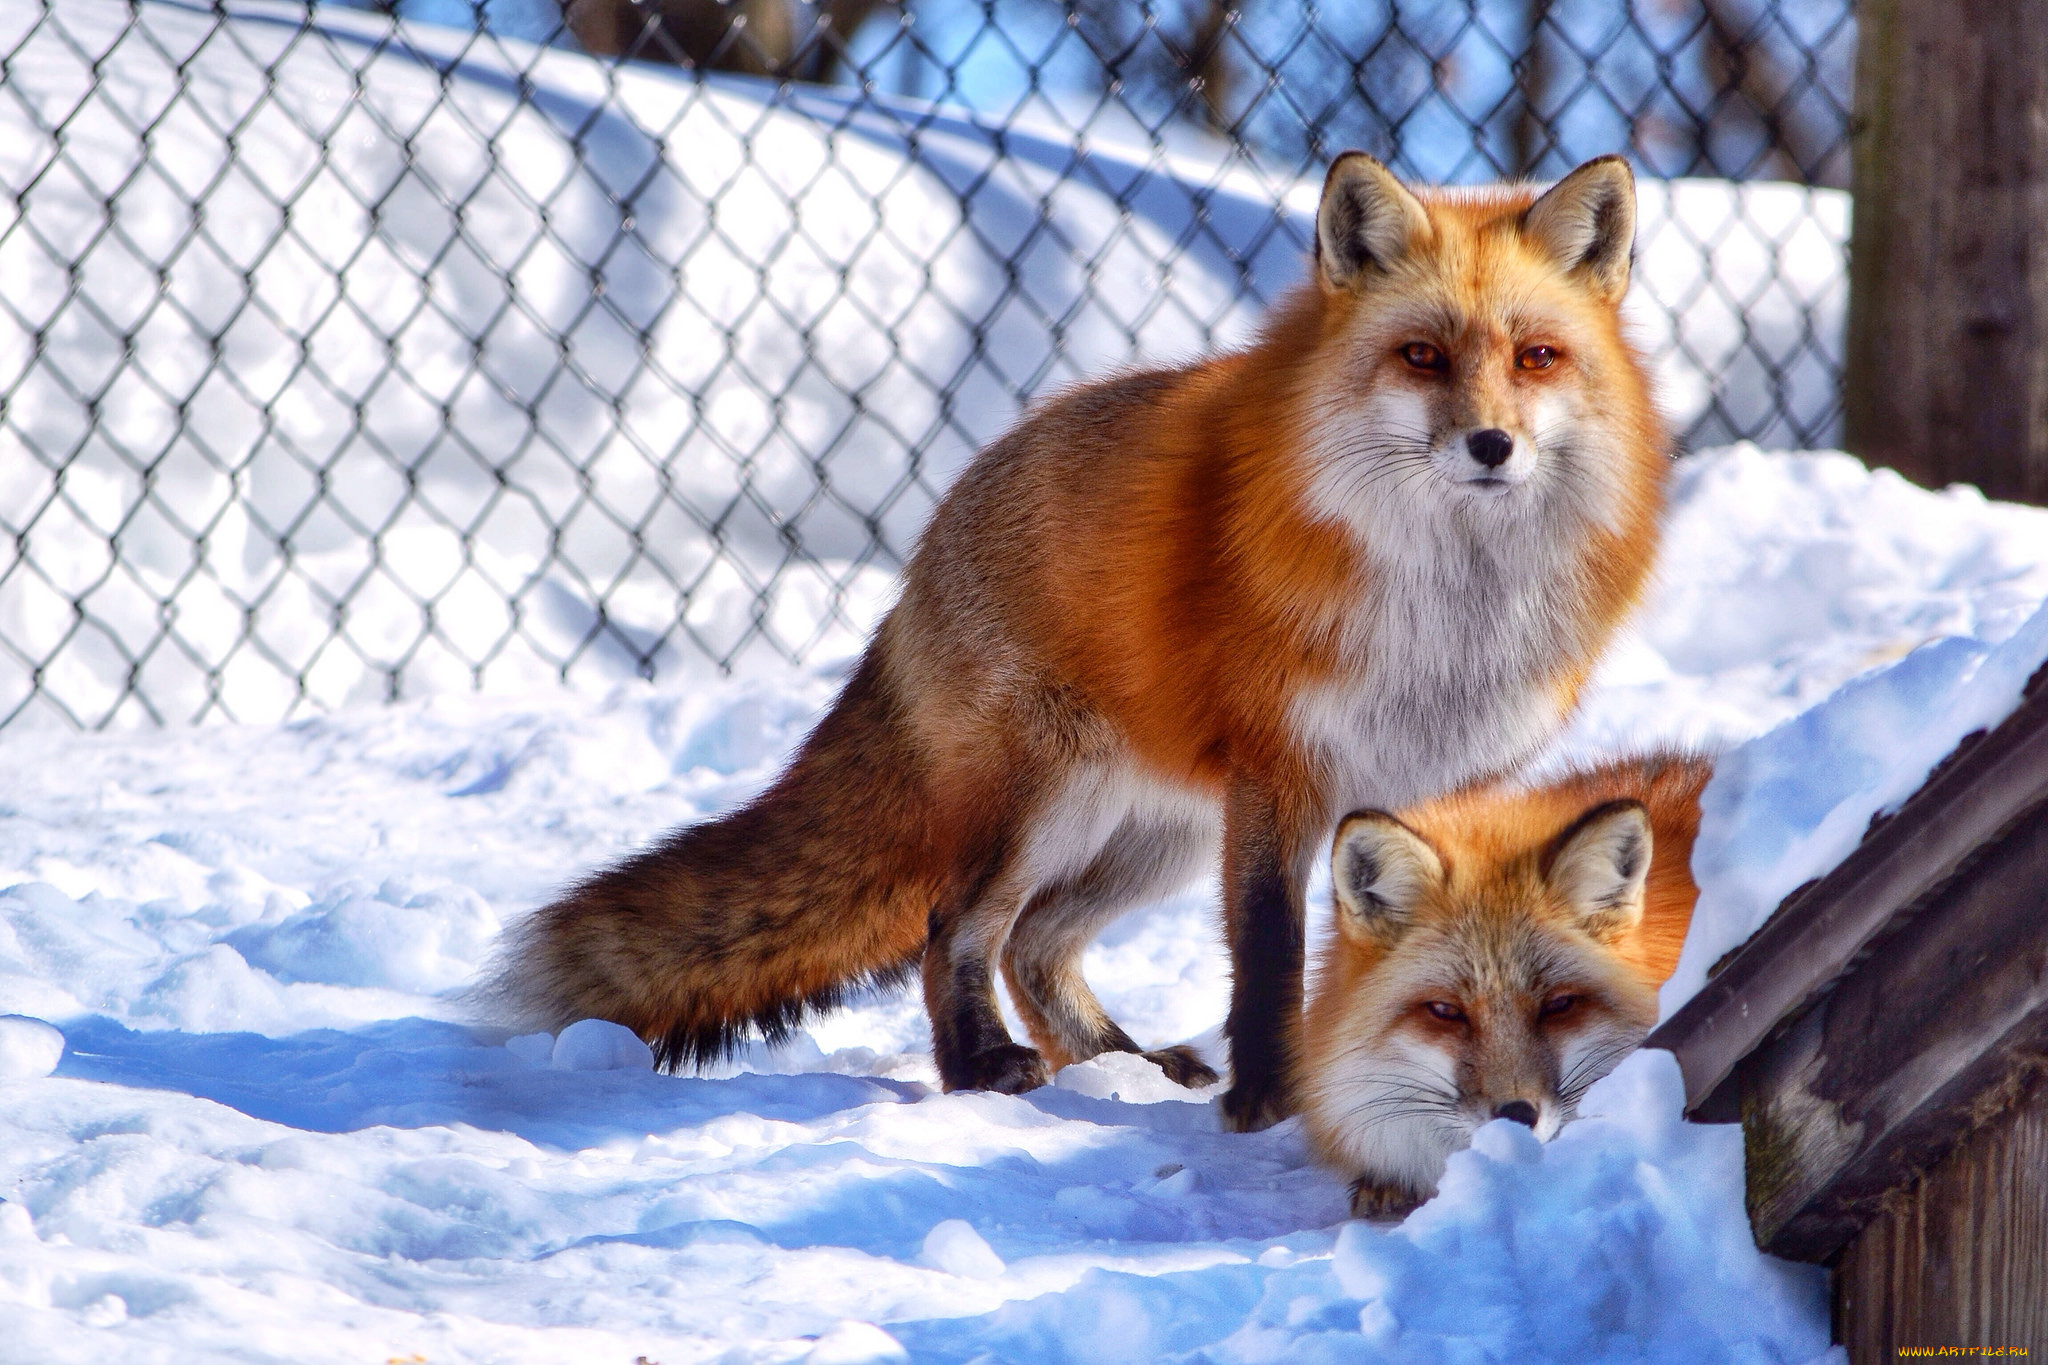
(1947, 360)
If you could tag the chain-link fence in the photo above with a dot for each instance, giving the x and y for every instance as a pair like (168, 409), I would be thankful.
(348, 355)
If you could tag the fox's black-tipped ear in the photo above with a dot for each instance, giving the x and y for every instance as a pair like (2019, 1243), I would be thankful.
(1380, 870)
(1600, 866)
(1587, 222)
(1367, 221)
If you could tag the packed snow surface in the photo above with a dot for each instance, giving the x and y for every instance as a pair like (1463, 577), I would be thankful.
(271, 1135)
(1791, 804)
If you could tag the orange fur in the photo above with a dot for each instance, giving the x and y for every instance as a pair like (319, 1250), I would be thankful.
(1149, 603)
(1493, 833)
(1493, 935)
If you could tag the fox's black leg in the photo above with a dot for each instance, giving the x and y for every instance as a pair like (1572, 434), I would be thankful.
(970, 1044)
(1265, 866)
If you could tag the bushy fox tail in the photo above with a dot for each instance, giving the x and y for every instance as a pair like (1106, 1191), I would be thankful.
(821, 886)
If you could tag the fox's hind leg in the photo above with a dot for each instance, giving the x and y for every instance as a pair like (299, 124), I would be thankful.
(970, 1043)
(1143, 860)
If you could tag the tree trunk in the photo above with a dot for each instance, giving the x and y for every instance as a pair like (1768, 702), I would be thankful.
(1947, 358)
(1533, 75)
(1208, 61)
(1742, 59)
(756, 37)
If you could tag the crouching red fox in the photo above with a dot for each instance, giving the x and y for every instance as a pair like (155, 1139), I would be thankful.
(1495, 952)
(1363, 561)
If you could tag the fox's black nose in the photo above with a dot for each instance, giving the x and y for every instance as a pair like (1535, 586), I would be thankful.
(1521, 1111)
(1490, 447)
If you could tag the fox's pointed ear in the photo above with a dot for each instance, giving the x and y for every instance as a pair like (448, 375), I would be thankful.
(1600, 865)
(1380, 870)
(1368, 220)
(1587, 222)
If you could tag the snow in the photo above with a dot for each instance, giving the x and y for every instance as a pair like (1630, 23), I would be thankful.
(1621, 1199)
(956, 1248)
(1791, 804)
(595, 1045)
(29, 1048)
(855, 1343)
(1120, 1076)
(244, 1114)
(273, 1134)
(1784, 576)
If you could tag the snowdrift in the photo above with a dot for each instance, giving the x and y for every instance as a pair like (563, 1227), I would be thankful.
(269, 1136)
(241, 1115)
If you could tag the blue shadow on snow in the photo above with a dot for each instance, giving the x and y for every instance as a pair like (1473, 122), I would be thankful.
(419, 1073)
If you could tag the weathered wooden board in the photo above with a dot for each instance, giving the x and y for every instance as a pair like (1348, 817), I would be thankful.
(1905, 1056)
(1961, 1257)
(1822, 931)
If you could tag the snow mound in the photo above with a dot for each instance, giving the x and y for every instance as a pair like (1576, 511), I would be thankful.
(1122, 1076)
(390, 935)
(535, 1049)
(1790, 805)
(956, 1248)
(599, 1045)
(1623, 1239)
(271, 1134)
(1783, 576)
(29, 1048)
(855, 1343)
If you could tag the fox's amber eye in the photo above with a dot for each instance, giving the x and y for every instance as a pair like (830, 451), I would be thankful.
(1536, 358)
(1558, 1004)
(1424, 356)
(1444, 1010)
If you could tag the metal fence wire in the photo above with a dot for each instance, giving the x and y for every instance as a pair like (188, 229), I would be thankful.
(350, 354)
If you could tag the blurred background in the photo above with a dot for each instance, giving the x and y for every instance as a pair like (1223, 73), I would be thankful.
(351, 352)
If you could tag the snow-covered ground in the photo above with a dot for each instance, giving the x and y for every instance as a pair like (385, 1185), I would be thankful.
(272, 1133)
(272, 1136)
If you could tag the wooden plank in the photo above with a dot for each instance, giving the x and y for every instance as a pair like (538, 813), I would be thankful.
(1823, 929)
(1946, 361)
(1959, 1258)
(1906, 1055)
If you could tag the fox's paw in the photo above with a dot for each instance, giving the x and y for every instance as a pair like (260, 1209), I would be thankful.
(1382, 1202)
(1009, 1069)
(1183, 1065)
(1249, 1106)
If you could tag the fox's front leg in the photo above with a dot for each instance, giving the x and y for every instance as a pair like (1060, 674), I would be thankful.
(1266, 853)
(1381, 1201)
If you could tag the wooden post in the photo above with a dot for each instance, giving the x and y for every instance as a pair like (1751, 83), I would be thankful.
(1960, 1255)
(1947, 356)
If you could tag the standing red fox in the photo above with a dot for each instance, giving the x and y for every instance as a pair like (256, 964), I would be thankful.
(1496, 952)
(1362, 562)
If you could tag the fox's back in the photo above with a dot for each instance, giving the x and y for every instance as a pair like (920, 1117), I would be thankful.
(1171, 549)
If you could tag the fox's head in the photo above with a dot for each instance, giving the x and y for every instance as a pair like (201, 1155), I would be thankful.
(1459, 992)
(1472, 358)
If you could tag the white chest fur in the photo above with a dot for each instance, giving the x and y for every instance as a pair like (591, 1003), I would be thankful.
(1471, 605)
(1453, 659)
